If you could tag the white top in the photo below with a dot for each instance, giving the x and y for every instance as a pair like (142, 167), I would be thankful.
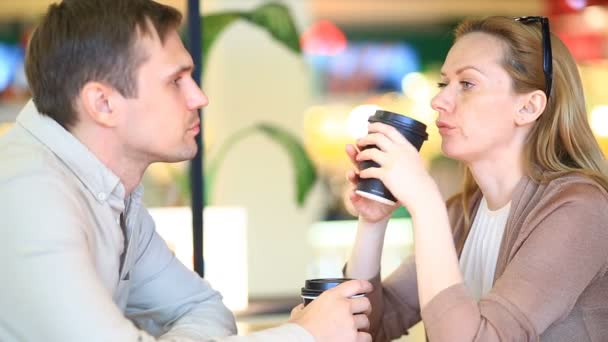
(478, 259)
(73, 270)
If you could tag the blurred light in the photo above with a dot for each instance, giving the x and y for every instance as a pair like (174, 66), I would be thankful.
(225, 240)
(599, 121)
(356, 124)
(323, 38)
(10, 59)
(415, 86)
(595, 17)
(225, 246)
(390, 62)
(576, 4)
(4, 127)
(325, 136)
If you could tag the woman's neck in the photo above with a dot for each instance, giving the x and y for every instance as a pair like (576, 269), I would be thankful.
(497, 177)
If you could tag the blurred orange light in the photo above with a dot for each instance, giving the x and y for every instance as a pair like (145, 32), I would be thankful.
(323, 38)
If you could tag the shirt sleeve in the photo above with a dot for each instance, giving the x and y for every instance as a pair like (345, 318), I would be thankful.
(167, 298)
(51, 292)
(563, 251)
(49, 289)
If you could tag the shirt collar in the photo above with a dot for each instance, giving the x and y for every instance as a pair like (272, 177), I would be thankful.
(103, 184)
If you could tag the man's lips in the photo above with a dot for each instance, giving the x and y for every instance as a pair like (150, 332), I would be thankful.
(196, 127)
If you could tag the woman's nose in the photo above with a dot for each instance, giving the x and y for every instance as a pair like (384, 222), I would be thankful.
(441, 102)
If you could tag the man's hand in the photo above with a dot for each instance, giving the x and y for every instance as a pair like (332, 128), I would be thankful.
(336, 317)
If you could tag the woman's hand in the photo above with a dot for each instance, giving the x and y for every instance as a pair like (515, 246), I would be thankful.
(369, 210)
(401, 168)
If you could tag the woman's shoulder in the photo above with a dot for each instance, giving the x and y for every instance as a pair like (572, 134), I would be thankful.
(572, 191)
(575, 186)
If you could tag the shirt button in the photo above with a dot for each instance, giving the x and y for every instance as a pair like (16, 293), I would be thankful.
(101, 196)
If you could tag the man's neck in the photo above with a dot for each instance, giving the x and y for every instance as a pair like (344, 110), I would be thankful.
(102, 144)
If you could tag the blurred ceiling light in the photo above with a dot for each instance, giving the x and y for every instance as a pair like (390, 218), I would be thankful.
(595, 17)
(576, 4)
(599, 121)
(323, 38)
(415, 86)
(356, 124)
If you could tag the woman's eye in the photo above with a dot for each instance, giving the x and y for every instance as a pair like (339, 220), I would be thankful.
(441, 84)
(176, 81)
(466, 85)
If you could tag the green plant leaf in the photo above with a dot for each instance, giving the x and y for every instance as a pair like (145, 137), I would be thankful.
(213, 26)
(273, 17)
(276, 19)
(305, 174)
(302, 165)
(213, 164)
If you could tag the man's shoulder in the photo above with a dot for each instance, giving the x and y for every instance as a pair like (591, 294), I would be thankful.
(23, 156)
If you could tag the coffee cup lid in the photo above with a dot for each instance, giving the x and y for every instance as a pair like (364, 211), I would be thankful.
(398, 119)
(323, 284)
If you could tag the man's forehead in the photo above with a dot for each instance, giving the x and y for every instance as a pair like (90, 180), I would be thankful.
(170, 56)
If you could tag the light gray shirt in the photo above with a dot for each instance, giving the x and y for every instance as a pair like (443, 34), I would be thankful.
(81, 261)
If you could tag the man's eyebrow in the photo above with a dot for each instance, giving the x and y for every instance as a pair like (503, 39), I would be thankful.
(186, 68)
(464, 68)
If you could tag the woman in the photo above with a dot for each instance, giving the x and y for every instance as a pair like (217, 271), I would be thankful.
(521, 253)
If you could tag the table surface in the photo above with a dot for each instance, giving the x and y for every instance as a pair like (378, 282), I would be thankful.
(252, 323)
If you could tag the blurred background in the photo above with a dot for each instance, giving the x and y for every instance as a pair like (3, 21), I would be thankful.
(356, 56)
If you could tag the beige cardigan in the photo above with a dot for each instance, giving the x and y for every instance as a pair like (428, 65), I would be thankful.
(550, 282)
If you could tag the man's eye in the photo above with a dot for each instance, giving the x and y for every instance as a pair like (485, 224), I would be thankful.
(176, 81)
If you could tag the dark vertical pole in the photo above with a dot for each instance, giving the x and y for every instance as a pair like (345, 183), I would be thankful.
(196, 166)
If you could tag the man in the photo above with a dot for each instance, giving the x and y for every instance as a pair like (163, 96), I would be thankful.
(80, 260)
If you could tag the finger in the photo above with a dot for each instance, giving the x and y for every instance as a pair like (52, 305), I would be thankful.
(361, 322)
(371, 172)
(378, 139)
(352, 177)
(363, 337)
(354, 197)
(296, 310)
(374, 154)
(360, 305)
(391, 132)
(353, 287)
(352, 151)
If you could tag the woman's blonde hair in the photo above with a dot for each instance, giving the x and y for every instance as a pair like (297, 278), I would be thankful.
(561, 140)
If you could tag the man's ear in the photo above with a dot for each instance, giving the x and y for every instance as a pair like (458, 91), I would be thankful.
(96, 100)
(532, 106)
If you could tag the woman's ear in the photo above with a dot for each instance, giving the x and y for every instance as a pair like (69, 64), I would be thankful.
(532, 106)
(96, 102)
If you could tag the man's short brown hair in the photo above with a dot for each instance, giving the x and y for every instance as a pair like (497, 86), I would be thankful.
(79, 41)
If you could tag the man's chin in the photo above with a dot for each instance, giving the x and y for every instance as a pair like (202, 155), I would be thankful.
(186, 154)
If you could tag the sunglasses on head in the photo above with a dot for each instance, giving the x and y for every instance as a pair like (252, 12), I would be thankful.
(547, 54)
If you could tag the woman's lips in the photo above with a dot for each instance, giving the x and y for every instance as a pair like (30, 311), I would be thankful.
(444, 127)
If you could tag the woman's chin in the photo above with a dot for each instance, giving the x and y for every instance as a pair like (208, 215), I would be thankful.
(450, 151)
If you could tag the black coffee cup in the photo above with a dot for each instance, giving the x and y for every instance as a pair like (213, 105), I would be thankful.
(414, 131)
(314, 287)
